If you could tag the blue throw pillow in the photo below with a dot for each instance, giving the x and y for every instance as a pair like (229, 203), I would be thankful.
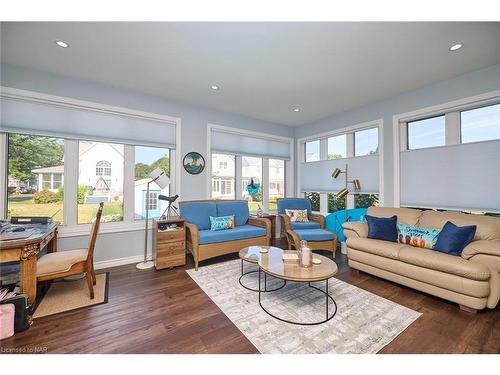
(453, 239)
(382, 228)
(221, 222)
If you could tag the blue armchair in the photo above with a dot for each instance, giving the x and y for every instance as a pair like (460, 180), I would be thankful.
(311, 231)
(204, 243)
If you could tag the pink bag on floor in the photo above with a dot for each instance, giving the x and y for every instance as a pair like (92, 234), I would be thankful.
(7, 312)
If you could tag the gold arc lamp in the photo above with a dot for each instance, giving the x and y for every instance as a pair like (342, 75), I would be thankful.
(356, 184)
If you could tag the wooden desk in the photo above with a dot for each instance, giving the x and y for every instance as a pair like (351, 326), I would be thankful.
(26, 251)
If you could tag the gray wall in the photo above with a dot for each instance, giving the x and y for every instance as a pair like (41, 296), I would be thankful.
(469, 84)
(194, 137)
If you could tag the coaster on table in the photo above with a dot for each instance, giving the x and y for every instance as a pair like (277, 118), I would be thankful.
(317, 261)
(263, 251)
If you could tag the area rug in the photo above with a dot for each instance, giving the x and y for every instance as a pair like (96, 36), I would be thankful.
(364, 322)
(65, 295)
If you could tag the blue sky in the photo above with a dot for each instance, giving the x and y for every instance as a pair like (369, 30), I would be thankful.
(148, 155)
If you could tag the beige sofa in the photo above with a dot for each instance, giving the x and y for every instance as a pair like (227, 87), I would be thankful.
(471, 280)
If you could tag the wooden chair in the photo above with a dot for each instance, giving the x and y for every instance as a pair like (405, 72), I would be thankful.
(73, 262)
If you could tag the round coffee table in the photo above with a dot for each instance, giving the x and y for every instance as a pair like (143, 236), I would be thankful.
(272, 264)
(252, 255)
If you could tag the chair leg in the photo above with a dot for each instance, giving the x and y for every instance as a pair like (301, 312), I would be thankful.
(88, 276)
(94, 279)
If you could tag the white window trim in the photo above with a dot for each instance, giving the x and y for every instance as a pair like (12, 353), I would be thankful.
(289, 164)
(349, 131)
(70, 227)
(451, 109)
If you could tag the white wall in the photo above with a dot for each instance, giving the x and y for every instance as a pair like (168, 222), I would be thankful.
(466, 85)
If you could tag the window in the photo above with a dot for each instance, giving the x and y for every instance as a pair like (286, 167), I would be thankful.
(223, 176)
(480, 124)
(251, 169)
(146, 160)
(337, 147)
(276, 182)
(46, 181)
(312, 151)
(366, 142)
(334, 203)
(314, 199)
(426, 133)
(365, 200)
(35, 176)
(93, 188)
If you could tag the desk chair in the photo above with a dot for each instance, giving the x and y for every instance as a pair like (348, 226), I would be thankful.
(73, 262)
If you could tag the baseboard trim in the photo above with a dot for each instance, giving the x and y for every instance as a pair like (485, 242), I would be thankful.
(118, 262)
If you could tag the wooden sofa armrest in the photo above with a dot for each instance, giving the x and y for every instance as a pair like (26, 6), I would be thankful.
(318, 218)
(261, 222)
(355, 229)
(192, 242)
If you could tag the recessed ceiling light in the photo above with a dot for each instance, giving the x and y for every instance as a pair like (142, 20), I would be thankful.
(214, 87)
(296, 109)
(62, 44)
(456, 47)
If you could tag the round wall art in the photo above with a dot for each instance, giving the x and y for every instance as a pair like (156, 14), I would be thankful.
(193, 163)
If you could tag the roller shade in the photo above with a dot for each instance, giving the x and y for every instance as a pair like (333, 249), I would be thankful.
(316, 176)
(32, 117)
(465, 176)
(247, 145)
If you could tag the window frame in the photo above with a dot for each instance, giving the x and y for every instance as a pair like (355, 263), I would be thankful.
(349, 132)
(70, 228)
(452, 112)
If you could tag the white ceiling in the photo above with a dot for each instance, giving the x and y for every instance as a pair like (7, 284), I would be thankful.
(264, 69)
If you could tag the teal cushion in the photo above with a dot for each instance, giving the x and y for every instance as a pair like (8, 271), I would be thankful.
(294, 204)
(305, 225)
(238, 233)
(239, 209)
(198, 213)
(418, 236)
(221, 222)
(314, 234)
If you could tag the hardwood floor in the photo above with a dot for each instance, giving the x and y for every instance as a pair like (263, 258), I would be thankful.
(173, 315)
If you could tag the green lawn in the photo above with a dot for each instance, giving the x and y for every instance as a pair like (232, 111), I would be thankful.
(86, 212)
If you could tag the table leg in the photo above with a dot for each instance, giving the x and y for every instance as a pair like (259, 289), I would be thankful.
(28, 271)
(326, 295)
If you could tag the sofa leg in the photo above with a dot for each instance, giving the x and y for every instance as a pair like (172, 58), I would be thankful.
(355, 272)
(196, 265)
(468, 309)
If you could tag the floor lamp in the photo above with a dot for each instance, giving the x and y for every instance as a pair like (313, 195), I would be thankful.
(343, 193)
(161, 179)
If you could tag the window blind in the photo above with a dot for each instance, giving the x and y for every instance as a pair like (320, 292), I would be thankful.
(465, 176)
(316, 176)
(249, 145)
(32, 117)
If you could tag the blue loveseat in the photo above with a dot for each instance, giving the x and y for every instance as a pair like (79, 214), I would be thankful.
(204, 243)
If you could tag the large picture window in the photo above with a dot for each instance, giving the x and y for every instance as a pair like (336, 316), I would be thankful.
(100, 179)
(35, 176)
(146, 160)
(223, 176)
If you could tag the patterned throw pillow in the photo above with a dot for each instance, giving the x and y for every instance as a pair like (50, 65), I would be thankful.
(417, 236)
(297, 216)
(221, 222)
